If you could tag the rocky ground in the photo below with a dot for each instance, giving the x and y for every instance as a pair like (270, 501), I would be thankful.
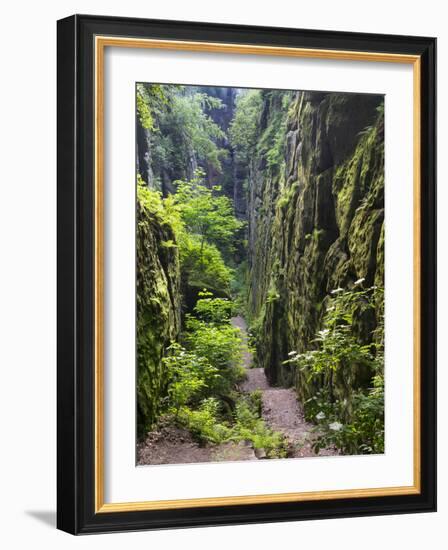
(281, 410)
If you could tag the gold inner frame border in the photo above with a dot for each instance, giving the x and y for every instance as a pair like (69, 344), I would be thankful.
(101, 42)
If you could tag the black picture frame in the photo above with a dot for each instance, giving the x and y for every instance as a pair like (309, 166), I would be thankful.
(76, 512)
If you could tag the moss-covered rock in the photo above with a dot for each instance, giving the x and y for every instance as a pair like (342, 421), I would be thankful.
(315, 222)
(158, 309)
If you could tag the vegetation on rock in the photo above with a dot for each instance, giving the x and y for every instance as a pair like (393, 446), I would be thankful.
(158, 304)
(267, 204)
(348, 375)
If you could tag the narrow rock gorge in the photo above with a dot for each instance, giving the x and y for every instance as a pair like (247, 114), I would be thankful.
(260, 273)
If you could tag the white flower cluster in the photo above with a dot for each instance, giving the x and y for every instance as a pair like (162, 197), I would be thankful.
(335, 426)
(337, 290)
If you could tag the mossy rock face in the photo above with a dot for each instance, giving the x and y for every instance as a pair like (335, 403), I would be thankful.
(315, 223)
(158, 311)
(379, 273)
(363, 241)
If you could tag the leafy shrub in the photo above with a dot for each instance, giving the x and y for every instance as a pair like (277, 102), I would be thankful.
(255, 399)
(206, 425)
(213, 310)
(364, 433)
(354, 424)
(165, 209)
(203, 422)
(190, 376)
(251, 427)
(202, 266)
(207, 214)
(222, 347)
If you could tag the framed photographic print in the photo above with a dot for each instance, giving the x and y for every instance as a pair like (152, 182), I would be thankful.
(246, 274)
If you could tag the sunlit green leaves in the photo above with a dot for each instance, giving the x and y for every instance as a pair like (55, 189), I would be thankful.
(207, 213)
(213, 310)
(190, 375)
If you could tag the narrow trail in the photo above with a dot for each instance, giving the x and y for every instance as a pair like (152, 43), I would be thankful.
(281, 410)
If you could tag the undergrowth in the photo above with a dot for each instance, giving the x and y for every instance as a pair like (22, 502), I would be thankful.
(353, 423)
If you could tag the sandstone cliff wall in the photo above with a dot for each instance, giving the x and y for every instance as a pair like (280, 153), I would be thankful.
(316, 221)
(158, 310)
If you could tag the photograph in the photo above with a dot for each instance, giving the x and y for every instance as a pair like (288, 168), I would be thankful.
(246, 274)
(260, 250)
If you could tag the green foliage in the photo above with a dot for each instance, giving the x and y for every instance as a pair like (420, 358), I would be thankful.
(240, 288)
(206, 370)
(205, 374)
(272, 295)
(243, 130)
(207, 214)
(165, 209)
(213, 355)
(158, 302)
(271, 143)
(150, 98)
(364, 433)
(287, 194)
(255, 400)
(213, 310)
(203, 422)
(255, 331)
(183, 136)
(207, 425)
(202, 265)
(200, 133)
(354, 424)
(190, 376)
(251, 427)
(337, 344)
(222, 346)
